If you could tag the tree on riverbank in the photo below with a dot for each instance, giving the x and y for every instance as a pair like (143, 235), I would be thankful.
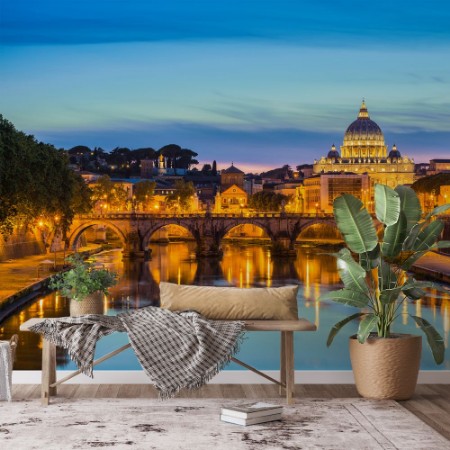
(36, 182)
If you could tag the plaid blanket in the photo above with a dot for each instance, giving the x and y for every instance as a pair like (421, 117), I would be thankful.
(176, 350)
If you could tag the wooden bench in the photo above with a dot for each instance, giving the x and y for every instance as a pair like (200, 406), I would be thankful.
(287, 371)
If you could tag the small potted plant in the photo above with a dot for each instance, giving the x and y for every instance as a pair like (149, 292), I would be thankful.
(385, 364)
(84, 284)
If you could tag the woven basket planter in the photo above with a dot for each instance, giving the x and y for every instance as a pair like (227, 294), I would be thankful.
(92, 304)
(386, 368)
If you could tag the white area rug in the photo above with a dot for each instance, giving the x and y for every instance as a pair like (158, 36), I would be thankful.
(194, 424)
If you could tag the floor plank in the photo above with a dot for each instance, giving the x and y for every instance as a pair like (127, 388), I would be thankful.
(430, 403)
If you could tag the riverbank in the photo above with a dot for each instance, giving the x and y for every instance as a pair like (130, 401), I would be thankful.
(23, 278)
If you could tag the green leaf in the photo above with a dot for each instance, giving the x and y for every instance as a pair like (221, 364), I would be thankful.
(407, 264)
(434, 339)
(389, 296)
(412, 236)
(412, 289)
(410, 205)
(442, 244)
(371, 259)
(366, 326)
(355, 224)
(438, 210)
(352, 274)
(347, 297)
(394, 236)
(428, 236)
(387, 204)
(337, 327)
(412, 283)
(386, 276)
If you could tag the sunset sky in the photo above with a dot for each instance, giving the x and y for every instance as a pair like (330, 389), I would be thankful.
(261, 83)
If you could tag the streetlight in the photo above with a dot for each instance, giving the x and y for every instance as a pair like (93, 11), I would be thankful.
(317, 209)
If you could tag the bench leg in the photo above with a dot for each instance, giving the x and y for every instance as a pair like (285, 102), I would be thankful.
(288, 338)
(282, 389)
(48, 371)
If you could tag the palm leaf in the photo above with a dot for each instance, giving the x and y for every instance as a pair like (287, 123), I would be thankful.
(410, 205)
(336, 328)
(352, 274)
(428, 236)
(355, 224)
(434, 339)
(438, 210)
(366, 326)
(387, 204)
(347, 297)
(394, 236)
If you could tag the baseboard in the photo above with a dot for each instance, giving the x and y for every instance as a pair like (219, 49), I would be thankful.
(224, 377)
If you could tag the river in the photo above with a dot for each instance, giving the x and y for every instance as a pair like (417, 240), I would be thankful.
(243, 266)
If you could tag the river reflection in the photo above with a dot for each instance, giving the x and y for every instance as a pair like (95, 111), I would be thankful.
(243, 266)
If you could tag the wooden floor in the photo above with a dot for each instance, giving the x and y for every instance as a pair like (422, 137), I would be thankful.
(431, 402)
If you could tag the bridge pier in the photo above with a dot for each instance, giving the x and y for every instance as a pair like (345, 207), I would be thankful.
(283, 247)
(207, 247)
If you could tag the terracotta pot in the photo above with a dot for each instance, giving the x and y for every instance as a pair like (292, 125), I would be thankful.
(92, 304)
(386, 368)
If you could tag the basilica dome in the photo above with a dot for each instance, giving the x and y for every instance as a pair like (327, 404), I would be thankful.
(394, 153)
(363, 138)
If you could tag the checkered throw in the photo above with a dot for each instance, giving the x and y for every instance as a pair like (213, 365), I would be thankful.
(176, 350)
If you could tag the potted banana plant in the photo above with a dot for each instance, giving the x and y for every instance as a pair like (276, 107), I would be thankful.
(385, 364)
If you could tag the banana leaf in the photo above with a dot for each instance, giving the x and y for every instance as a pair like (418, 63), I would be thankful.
(389, 296)
(438, 210)
(412, 284)
(442, 244)
(370, 260)
(347, 297)
(434, 339)
(410, 205)
(336, 327)
(412, 289)
(355, 224)
(407, 264)
(386, 276)
(387, 204)
(351, 273)
(366, 326)
(394, 236)
(412, 236)
(428, 236)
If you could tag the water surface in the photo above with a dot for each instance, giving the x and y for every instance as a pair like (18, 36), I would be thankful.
(243, 266)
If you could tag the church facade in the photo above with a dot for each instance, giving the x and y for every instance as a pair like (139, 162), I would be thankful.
(364, 151)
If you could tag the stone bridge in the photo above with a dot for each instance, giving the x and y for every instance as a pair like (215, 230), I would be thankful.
(136, 228)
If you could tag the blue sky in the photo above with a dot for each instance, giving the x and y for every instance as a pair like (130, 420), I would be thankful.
(260, 83)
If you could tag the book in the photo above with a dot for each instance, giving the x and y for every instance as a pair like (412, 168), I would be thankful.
(251, 410)
(250, 421)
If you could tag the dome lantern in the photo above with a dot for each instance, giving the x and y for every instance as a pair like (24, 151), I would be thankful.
(363, 138)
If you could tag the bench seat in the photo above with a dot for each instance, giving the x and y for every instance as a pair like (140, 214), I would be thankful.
(287, 371)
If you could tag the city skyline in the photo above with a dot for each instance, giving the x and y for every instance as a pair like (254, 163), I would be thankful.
(261, 84)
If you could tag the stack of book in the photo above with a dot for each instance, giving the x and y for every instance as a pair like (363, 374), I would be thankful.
(251, 413)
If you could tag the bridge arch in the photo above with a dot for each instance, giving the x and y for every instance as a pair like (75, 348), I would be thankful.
(158, 226)
(78, 231)
(264, 226)
(312, 227)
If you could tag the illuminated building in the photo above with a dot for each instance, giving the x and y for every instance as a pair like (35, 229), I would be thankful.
(364, 151)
